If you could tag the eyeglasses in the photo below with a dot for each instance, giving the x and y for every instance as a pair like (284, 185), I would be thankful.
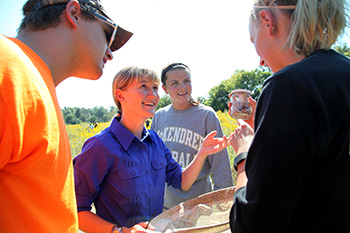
(110, 37)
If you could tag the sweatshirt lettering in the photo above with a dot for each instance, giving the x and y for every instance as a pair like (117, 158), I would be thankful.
(181, 158)
(181, 135)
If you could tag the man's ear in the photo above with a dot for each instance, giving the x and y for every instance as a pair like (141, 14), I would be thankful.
(268, 20)
(73, 13)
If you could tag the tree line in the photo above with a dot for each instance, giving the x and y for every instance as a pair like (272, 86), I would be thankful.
(73, 116)
(217, 97)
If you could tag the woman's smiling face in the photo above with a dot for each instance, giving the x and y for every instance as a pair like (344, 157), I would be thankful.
(178, 85)
(141, 98)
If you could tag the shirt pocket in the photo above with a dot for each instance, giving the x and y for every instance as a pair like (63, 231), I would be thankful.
(129, 180)
(130, 172)
(159, 167)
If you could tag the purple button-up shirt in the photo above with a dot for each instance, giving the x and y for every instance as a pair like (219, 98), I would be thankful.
(124, 176)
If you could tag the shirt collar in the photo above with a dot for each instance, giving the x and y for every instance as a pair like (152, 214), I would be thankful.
(145, 134)
(123, 135)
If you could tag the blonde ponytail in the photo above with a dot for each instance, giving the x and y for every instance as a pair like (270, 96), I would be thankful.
(316, 24)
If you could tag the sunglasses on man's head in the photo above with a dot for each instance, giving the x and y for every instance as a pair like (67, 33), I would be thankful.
(110, 37)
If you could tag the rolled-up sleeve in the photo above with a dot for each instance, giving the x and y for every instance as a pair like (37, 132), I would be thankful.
(173, 171)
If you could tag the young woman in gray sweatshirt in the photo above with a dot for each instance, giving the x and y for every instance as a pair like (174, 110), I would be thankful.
(183, 125)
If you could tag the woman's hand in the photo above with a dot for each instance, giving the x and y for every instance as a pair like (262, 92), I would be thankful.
(212, 145)
(90, 222)
(139, 228)
(241, 140)
(243, 136)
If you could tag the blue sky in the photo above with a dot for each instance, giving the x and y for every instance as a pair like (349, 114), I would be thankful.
(211, 37)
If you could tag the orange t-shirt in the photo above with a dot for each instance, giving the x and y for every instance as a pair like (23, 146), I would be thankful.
(36, 173)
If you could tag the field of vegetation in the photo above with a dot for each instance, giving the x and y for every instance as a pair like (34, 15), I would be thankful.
(79, 133)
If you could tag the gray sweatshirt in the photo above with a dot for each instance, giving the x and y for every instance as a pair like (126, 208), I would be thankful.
(183, 132)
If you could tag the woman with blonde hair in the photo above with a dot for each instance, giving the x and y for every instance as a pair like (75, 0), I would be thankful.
(123, 169)
(294, 172)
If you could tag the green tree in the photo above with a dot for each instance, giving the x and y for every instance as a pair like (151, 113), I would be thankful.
(100, 112)
(201, 99)
(70, 119)
(164, 101)
(66, 111)
(93, 119)
(77, 113)
(250, 80)
(241, 79)
(85, 115)
(113, 109)
(218, 95)
(95, 115)
(343, 49)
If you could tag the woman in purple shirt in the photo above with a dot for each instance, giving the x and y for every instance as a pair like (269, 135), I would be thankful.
(123, 169)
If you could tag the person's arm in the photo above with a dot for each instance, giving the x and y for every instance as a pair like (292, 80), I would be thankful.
(92, 223)
(241, 176)
(210, 145)
(241, 140)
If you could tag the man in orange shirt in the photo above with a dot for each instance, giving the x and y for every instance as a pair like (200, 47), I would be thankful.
(57, 39)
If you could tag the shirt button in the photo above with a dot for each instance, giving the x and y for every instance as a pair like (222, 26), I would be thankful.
(133, 172)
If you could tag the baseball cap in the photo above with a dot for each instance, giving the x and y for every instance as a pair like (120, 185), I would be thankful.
(121, 35)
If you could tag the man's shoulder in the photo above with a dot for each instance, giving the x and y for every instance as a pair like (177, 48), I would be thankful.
(8, 49)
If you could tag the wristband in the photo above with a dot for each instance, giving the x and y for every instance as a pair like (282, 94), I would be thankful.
(116, 229)
(239, 158)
